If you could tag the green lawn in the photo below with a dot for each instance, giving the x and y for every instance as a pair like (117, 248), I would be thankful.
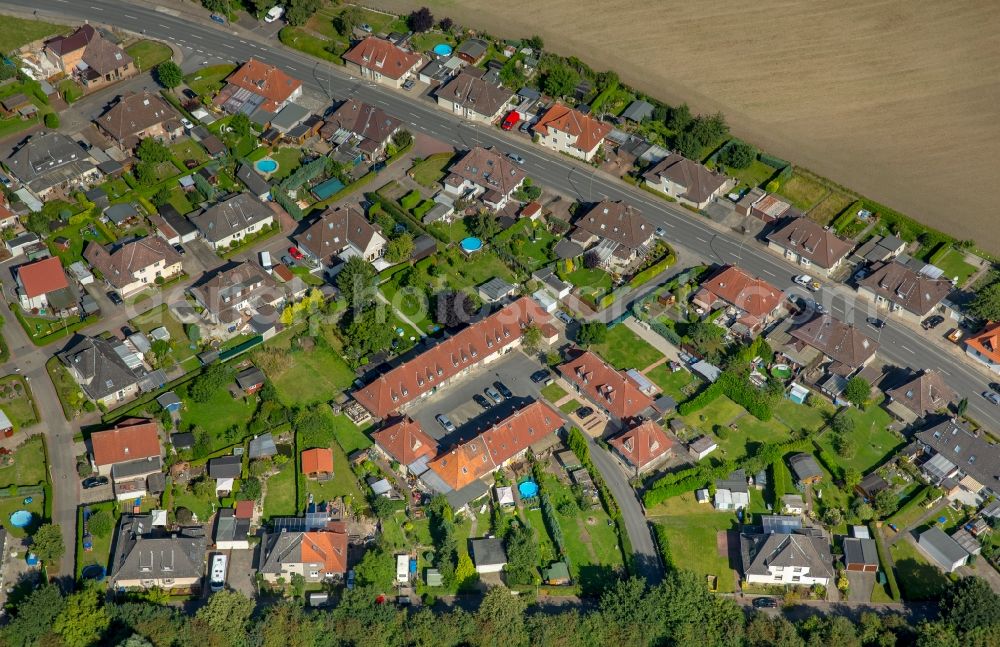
(569, 406)
(432, 170)
(411, 302)
(202, 508)
(692, 530)
(546, 549)
(28, 467)
(343, 484)
(208, 80)
(462, 273)
(280, 497)
(954, 265)
(15, 503)
(349, 436)
(178, 200)
(830, 207)
(116, 188)
(17, 402)
(676, 384)
(79, 235)
(553, 392)
(180, 347)
(623, 349)
(100, 552)
(874, 442)
(217, 415)
(148, 54)
(188, 149)
(801, 416)
(755, 175)
(288, 160)
(722, 412)
(802, 192)
(918, 578)
(310, 377)
(595, 282)
(15, 32)
(46, 331)
(452, 232)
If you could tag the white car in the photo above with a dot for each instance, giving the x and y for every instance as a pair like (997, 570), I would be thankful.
(807, 281)
(186, 123)
(274, 13)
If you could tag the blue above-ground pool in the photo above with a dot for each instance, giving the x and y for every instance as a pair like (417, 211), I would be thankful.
(266, 165)
(21, 518)
(444, 49)
(93, 572)
(471, 244)
(528, 489)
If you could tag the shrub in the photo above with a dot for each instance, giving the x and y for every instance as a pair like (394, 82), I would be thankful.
(51, 120)
(410, 200)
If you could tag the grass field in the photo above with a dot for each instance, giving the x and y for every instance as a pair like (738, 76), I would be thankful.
(28, 467)
(148, 54)
(918, 579)
(17, 402)
(623, 349)
(208, 80)
(569, 406)
(217, 415)
(15, 503)
(343, 484)
(755, 175)
(692, 531)
(314, 376)
(553, 392)
(280, 497)
(954, 265)
(431, 170)
(590, 281)
(15, 32)
(676, 384)
(802, 192)
(188, 149)
(101, 546)
(873, 440)
(349, 436)
(830, 207)
(800, 416)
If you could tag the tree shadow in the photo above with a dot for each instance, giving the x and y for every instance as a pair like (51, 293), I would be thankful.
(595, 579)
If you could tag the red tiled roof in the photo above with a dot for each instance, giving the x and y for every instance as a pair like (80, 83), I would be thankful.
(405, 441)
(328, 548)
(130, 440)
(642, 444)
(317, 461)
(987, 342)
(489, 450)
(42, 277)
(408, 381)
(382, 57)
(265, 80)
(589, 131)
(612, 390)
(754, 296)
(244, 509)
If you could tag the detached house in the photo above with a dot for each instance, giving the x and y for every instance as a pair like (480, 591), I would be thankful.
(798, 558)
(687, 181)
(908, 292)
(129, 453)
(471, 96)
(137, 116)
(756, 301)
(257, 85)
(613, 391)
(236, 297)
(316, 555)
(847, 348)
(340, 233)
(984, 346)
(48, 161)
(136, 265)
(381, 61)
(146, 556)
(90, 58)
(642, 447)
(486, 174)
(805, 242)
(106, 375)
(368, 127)
(615, 232)
(43, 285)
(233, 220)
(570, 131)
(924, 394)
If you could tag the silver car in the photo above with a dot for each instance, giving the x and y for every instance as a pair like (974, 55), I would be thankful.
(445, 422)
(493, 394)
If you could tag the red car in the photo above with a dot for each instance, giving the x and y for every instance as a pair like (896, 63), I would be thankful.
(295, 253)
(510, 120)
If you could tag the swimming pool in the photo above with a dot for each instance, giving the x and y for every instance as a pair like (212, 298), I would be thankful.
(527, 489)
(331, 187)
(471, 244)
(444, 49)
(266, 165)
(21, 518)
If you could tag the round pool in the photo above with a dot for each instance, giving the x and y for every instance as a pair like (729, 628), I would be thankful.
(781, 371)
(527, 489)
(471, 244)
(444, 49)
(266, 165)
(93, 572)
(21, 518)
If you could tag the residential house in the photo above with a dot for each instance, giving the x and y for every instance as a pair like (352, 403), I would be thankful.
(366, 126)
(90, 58)
(48, 161)
(472, 96)
(963, 456)
(848, 349)
(255, 85)
(804, 241)
(569, 131)
(172, 227)
(145, 556)
(231, 532)
(910, 293)
(382, 61)
(860, 554)
(805, 469)
(254, 182)
(472, 50)
(551, 283)
(486, 174)
(340, 233)
(42, 285)
(924, 394)
(104, 369)
(783, 559)
(404, 441)
(231, 221)
(642, 447)
(476, 344)
(140, 115)
(615, 232)
(488, 555)
(316, 555)
(687, 181)
(756, 301)
(612, 391)
(135, 265)
(984, 346)
(235, 297)
(880, 248)
(945, 551)
(317, 463)
(732, 492)
(129, 453)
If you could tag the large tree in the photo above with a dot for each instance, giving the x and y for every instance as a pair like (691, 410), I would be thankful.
(169, 74)
(83, 619)
(47, 544)
(592, 332)
(857, 391)
(500, 619)
(453, 308)
(227, 612)
(560, 80)
(986, 304)
(421, 19)
(678, 117)
(970, 603)
(739, 155)
(399, 249)
(484, 225)
(34, 616)
(348, 19)
(369, 332)
(299, 11)
(356, 282)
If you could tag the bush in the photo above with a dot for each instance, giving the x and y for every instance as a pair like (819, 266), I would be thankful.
(51, 120)
(410, 200)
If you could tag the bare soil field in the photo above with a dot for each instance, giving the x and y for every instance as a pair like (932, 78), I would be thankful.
(893, 98)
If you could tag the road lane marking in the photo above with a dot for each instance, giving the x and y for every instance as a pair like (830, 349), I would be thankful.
(701, 239)
(907, 349)
(225, 45)
(944, 371)
(96, 8)
(198, 37)
(769, 272)
(130, 17)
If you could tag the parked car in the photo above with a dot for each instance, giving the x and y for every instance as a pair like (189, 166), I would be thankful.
(365, 28)
(294, 252)
(288, 260)
(992, 397)
(115, 298)
(445, 422)
(186, 123)
(808, 282)
(584, 412)
(189, 94)
(217, 18)
(493, 394)
(94, 481)
(542, 376)
(563, 317)
(510, 120)
(661, 232)
(408, 84)
(765, 603)
(812, 304)
(482, 401)
(995, 386)
(517, 159)
(179, 249)
(525, 127)
(274, 13)
(932, 322)
(875, 322)
(502, 388)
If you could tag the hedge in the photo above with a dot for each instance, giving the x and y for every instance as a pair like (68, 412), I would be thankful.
(410, 200)
(939, 252)
(666, 332)
(830, 463)
(739, 391)
(652, 270)
(846, 216)
(883, 558)
(660, 537)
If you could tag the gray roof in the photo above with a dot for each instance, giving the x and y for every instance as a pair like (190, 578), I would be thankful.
(474, 47)
(906, 286)
(229, 528)
(167, 399)
(225, 467)
(100, 369)
(841, 342)
(780, 523)
(261, 446)
(566, 249)
(231, 216)
(496, 289)
(142, 552)
(939, 545)
(250, 377)
(638, 110)
(184, 440)
(48, 159)
(735, 482)
(488, 551)
(860, 551)
(804, 466)
(760, 551)
(135, 468)
(289, 116)
(971, 453)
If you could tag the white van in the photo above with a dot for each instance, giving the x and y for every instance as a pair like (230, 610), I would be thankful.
(218, 575)
(274, 13)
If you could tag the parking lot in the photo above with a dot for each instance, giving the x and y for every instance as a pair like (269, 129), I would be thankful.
(455, 400)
